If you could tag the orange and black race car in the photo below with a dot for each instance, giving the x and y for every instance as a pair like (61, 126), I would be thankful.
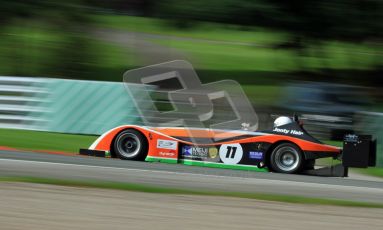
(286, 148)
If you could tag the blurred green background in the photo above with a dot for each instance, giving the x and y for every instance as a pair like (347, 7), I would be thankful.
(252, 41)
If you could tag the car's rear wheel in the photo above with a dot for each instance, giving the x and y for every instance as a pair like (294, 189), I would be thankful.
(286, 158)
(130, 145)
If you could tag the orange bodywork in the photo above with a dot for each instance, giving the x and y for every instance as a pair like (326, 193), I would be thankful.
(153, 135)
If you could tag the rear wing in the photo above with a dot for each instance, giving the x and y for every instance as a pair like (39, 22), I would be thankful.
(359, 151)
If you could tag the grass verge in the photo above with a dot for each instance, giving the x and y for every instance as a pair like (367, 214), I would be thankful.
(245, 51)
(202, 30)
(376, 172)
(165, 190)
(35, 140)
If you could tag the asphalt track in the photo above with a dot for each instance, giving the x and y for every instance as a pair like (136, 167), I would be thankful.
(15, 163)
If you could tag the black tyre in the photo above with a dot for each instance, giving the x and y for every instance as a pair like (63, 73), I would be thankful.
(130, 145)
(286, 158)
(309, 165)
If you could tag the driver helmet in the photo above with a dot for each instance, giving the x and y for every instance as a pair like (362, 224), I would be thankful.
(282, 121)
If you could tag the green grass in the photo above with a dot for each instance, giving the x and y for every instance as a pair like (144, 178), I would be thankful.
(263, 95)
(109, 61)
(376, 172)
(230, 57)
(238, 57)
(225, 57)
(34, 140)
(203, 30)
(167, 190)
(334, 143)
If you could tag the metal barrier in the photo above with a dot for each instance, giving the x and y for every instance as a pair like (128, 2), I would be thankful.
(67, 106)
(19, 97)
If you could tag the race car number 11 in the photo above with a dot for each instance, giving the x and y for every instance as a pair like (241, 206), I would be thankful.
(230, 153)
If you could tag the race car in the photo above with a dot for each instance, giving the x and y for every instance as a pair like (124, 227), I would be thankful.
(286, 148)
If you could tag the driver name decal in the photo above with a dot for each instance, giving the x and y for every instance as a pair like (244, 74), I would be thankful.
(288, 131)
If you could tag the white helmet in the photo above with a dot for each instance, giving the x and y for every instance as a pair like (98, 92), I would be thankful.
(282, 121)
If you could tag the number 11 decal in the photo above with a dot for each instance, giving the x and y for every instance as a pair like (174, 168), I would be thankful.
(231, 153)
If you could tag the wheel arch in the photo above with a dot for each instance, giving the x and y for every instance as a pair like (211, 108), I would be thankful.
(275, 144)
(111, 147)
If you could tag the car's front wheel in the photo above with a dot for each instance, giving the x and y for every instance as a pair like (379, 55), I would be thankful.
(130, 145)
(286, 158)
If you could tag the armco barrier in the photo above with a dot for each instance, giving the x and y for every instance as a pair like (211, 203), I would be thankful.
(67, 106)
(21, 99)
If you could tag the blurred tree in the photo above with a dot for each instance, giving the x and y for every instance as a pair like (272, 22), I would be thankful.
(65, 19)
(185, 13)
(131, 7)
(313, 19)
(336, 19)
(12, 9)
(309, 22)
(317, 21)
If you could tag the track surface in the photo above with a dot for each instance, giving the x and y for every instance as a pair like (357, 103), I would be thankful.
(13, 163)
(45, 207)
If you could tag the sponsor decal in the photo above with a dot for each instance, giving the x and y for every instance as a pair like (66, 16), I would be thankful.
(166, 144)
(256, 155)
(287, 131)
(186, 151)
(231, 153)
(167, 154)
(194, 152)
(351, 138)
(213, 152)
